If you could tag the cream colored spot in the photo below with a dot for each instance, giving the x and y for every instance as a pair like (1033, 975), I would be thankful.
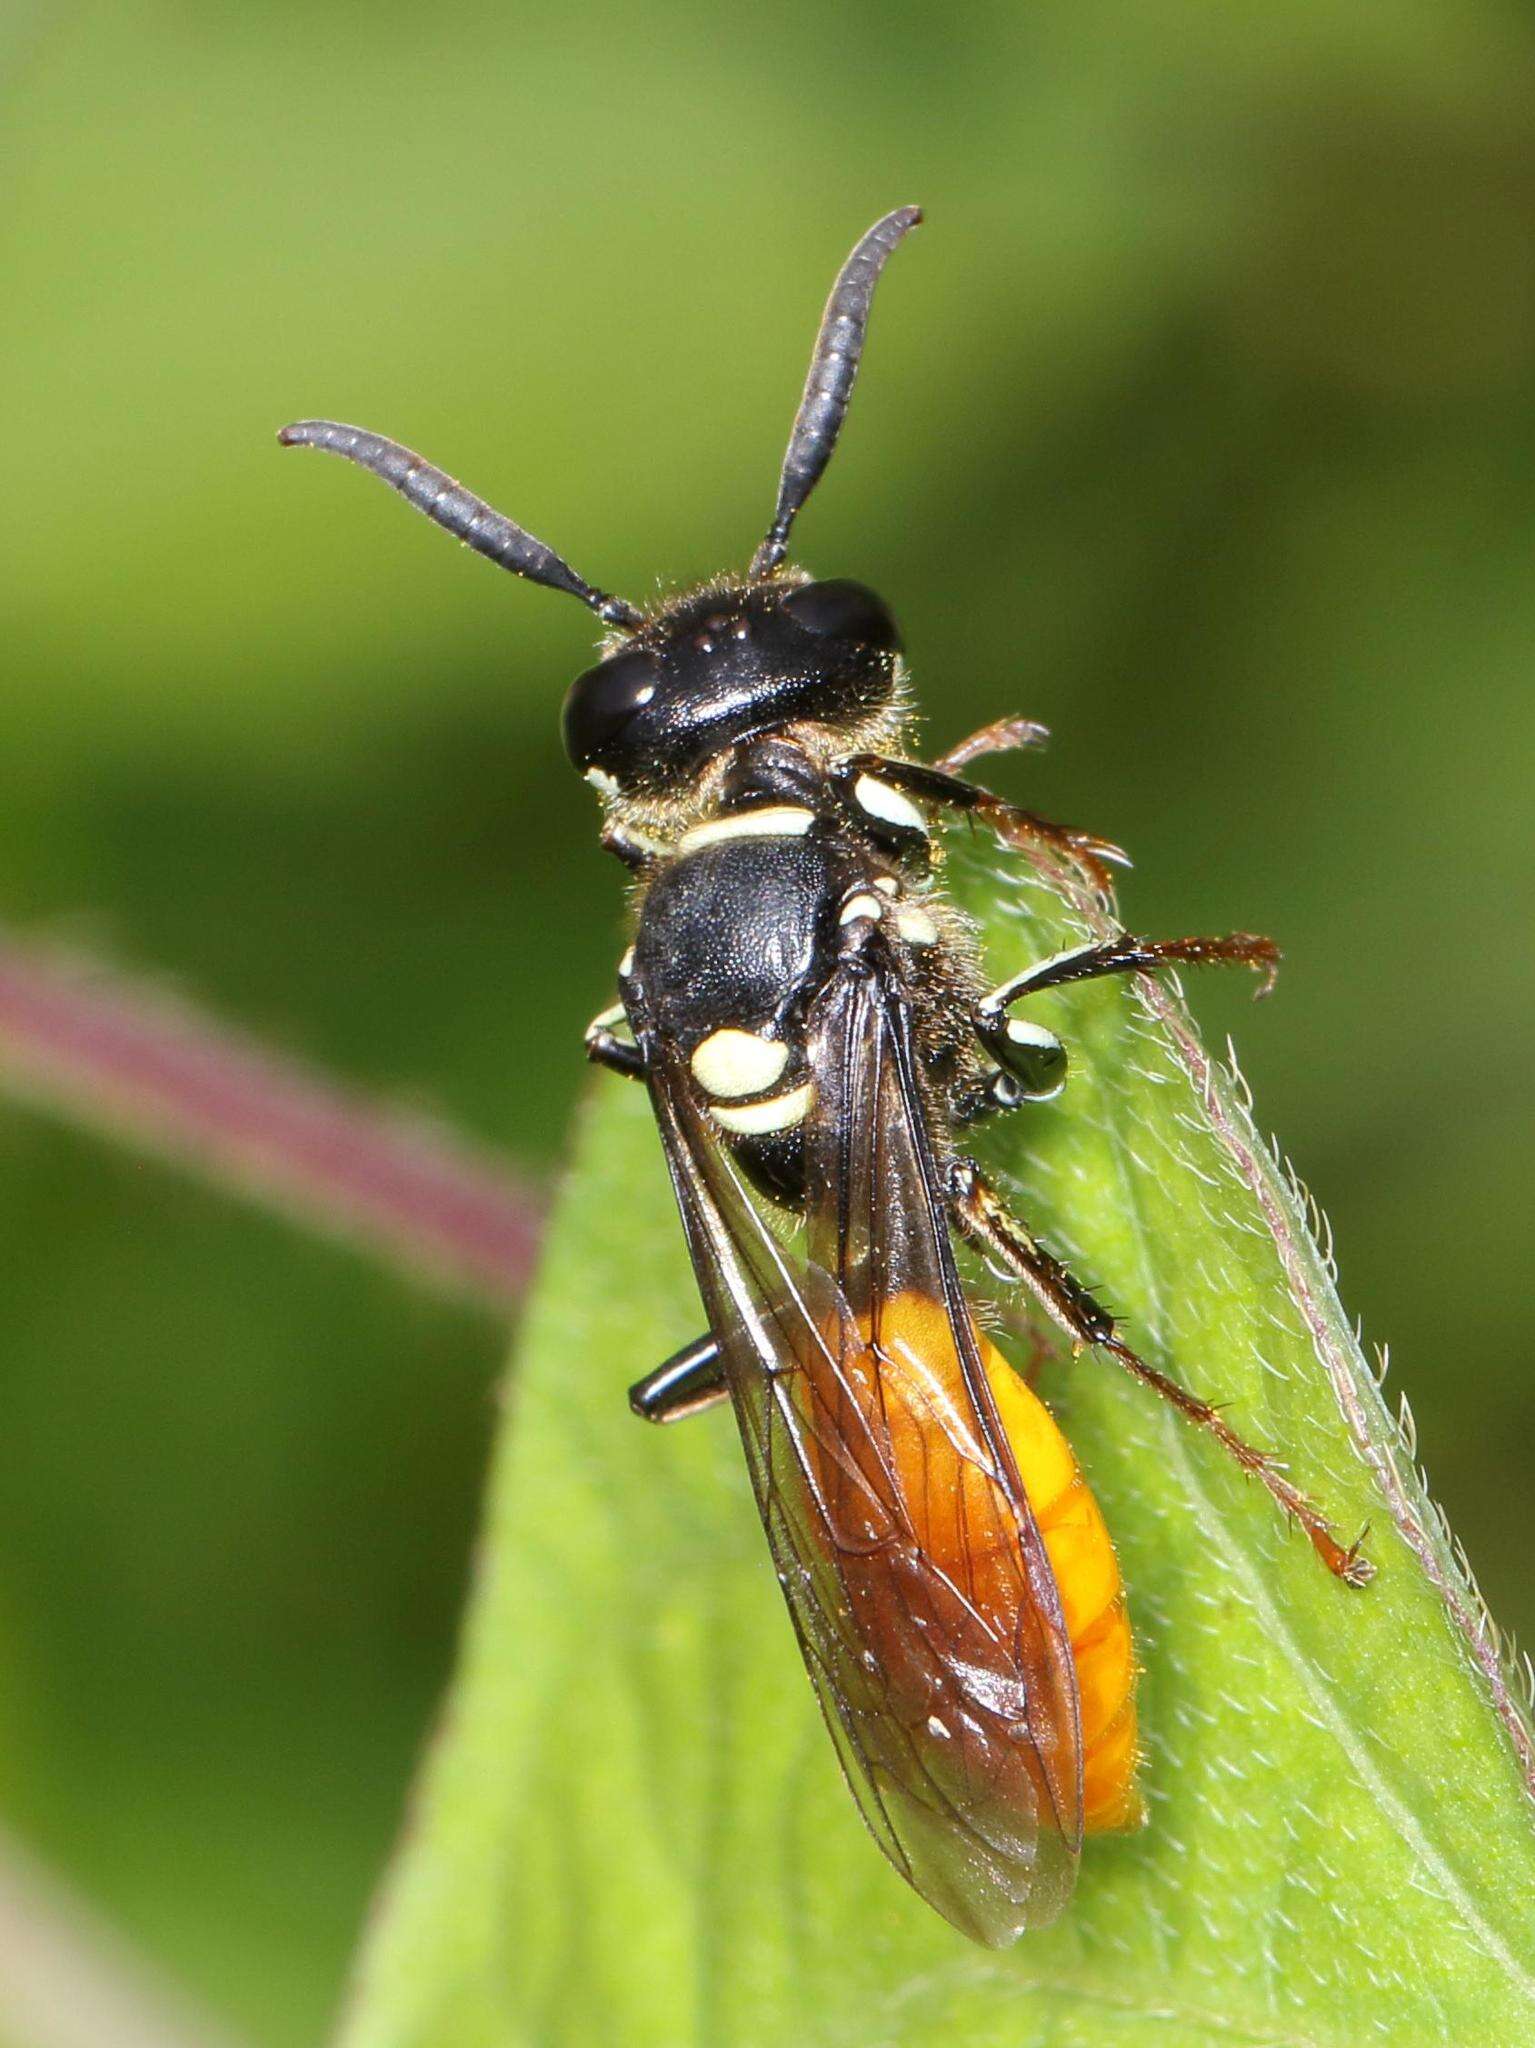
(768, 821)
(916, 927)
(626, 965)
(887, 885)
(602, 782)
(889, 805)
(732, 1063)
(778, 1113)
(862, 905)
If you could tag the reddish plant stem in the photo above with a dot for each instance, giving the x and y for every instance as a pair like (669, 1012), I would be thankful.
(89, 1044)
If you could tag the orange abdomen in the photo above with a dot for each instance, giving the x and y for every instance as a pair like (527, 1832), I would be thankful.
(919, 1352)
(1086, 1570)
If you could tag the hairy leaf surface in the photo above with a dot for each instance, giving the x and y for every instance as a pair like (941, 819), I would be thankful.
(631, 1829)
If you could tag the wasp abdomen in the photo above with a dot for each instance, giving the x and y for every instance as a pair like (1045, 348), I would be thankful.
(954, 1503)
(1081, 1553)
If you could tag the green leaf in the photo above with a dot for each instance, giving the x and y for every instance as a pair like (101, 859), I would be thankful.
(631, 1828)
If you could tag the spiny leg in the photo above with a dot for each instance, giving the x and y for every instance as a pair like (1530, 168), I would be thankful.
(1014, 827)
(985, 1219)
(689, 1381)
(1002, 736)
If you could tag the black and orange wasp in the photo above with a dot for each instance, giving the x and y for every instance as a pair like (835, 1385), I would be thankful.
(812, 1019)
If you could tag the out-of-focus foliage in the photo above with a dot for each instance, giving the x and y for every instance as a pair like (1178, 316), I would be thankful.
(1200, 422)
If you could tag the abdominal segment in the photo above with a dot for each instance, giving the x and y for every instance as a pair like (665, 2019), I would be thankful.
(1081, 1554)
(904, 1395)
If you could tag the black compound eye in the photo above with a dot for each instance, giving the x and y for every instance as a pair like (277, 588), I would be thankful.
(600, 704)
(840, 610)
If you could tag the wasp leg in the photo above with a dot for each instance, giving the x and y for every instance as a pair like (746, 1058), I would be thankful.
(605, 1048)
(1031, 1061)
(992, 1095)
(1014, 827)
(1002, 736)
(690, 1381)
(634, 849)
(1128, 955)
(985, 1219)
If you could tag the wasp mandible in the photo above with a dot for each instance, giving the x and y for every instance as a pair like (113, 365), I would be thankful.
(813, 1021)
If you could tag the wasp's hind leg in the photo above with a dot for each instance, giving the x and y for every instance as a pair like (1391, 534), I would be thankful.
(604, 1047)
(690, 1381)
(984, 1218)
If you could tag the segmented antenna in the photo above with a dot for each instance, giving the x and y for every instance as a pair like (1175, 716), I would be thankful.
(469, 518)
(829, 386)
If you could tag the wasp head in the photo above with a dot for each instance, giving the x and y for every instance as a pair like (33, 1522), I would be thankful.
(734, 659)
(723, 665)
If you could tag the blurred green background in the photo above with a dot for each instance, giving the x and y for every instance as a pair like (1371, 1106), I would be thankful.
(1199, 422)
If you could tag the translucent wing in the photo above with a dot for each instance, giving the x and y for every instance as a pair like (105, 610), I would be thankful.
(914, 1572)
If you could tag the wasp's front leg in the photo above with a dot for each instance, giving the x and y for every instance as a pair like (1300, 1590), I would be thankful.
(605, 1048)
(1002, 736)
(1014, 827)
(635, 849)
(985, 1219)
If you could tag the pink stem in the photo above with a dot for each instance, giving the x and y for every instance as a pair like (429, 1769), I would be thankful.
(80, 1040)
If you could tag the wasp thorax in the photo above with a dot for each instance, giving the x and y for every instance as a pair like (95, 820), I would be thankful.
(723, 665)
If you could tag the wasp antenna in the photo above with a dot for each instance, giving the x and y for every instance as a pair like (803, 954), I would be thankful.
(829, 386)
(470, 519)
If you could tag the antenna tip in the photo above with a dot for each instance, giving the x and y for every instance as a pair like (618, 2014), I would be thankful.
(333, 434)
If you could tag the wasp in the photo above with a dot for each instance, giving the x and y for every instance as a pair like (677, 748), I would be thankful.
(812, 1018)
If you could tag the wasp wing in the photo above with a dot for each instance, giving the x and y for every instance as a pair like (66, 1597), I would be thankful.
(915, 1574)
